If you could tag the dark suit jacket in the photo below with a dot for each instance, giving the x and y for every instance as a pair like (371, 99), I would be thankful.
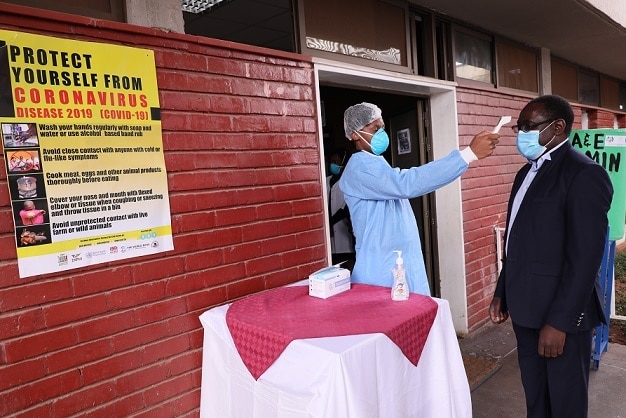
(556, 245)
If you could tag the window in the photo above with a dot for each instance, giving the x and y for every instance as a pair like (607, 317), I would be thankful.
(564, 80)
(588, 87)
(472, 57)
(609, 93)
(517, 67)
(369, 29)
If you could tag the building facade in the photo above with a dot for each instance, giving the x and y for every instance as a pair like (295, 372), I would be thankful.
(252, 96)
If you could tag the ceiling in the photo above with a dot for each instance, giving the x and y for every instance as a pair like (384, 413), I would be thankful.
(570, 29)
(266, 23)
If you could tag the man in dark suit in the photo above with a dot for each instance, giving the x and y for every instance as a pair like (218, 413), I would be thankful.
(555, 235)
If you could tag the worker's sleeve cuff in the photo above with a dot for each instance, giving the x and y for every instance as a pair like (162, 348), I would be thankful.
(468, 155)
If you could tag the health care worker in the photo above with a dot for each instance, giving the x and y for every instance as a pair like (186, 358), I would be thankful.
(377, 197)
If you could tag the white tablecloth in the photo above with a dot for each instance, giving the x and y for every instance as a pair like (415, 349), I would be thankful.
(356, 376)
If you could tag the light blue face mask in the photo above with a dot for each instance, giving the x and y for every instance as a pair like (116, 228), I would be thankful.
(379, 142)
(528, 143)
(334, 169)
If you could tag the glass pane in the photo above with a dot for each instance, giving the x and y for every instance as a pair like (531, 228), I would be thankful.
(368, 29)
(472, 57)
(609, 89)
(517, 67)
(588, 88)
(564, 82)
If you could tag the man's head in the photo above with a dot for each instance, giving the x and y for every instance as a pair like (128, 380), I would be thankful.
(555, 107)
(29, 205)
(551, 116)
(358, 116)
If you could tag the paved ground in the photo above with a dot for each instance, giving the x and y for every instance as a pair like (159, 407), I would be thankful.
(502, 396)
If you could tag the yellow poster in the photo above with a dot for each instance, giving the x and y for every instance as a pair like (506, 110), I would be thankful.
(81, 136)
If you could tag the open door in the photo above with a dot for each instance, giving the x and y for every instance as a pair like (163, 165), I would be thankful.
(409, 147)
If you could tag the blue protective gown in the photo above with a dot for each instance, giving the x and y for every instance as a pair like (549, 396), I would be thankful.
(382, 219)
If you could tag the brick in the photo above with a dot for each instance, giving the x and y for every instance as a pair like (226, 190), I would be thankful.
(295, 224)
(141, 334)
(184, 324)
(109, 367)
(236, 178)
(256, 195)
(281, 278)
(141, 378)
(164, 349)
(10, 276)
(18, 374)
(121, 407)
(51, 387)
(218, 65)
(207, 298)
(158, 311)
(194, 221)
(242, 252)
(169, 389)
(38, 344)
(6, 222)
(99, 281)
(184, 60)
(175, 100)
(262, 265)
(277, 245)
(186, 405)
(203, 259)
(75, 309)
(77, 355)
(77, 401)
(7, 248)
(136, 296)
(23, 322)
(244, 287)
(310, 238)
(34, 294)
(160, 268)
(273, 210)
(256, 159)
(41, 410)
(308, 206)
(104, 326)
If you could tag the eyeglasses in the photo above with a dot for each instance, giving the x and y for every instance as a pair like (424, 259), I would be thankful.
(525, 127)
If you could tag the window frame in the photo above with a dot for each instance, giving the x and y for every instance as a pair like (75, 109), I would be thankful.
(454, 28)
(535, 51)
(401, 68)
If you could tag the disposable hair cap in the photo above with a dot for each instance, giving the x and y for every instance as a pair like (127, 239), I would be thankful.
(358, 116)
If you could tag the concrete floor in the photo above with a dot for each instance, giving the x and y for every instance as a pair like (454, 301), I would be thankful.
(502, 395)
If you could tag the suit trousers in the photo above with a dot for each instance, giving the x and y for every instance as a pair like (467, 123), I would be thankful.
(555, 387)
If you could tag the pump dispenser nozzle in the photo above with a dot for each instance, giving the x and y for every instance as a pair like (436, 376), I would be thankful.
(399, 260)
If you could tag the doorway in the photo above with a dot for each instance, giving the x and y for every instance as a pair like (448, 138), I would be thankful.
(407, 122)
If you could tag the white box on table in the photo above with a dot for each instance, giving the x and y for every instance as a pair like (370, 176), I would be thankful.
(329, 281)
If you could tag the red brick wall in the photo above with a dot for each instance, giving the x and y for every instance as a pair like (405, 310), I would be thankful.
(487, 185)
(239, 134)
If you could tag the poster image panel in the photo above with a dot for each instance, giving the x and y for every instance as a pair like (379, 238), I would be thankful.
(82, 145)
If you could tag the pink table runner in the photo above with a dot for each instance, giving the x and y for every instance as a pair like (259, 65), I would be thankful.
(262, 325)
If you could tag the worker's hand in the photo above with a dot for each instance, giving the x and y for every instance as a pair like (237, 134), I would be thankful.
(495, 311)
(551, 341)
(484, 144)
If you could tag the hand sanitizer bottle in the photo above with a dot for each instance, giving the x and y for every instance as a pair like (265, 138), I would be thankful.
(400, 289)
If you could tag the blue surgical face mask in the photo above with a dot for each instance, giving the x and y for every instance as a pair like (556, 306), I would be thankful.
(379, 142)
(334, 169)
(528, 143)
